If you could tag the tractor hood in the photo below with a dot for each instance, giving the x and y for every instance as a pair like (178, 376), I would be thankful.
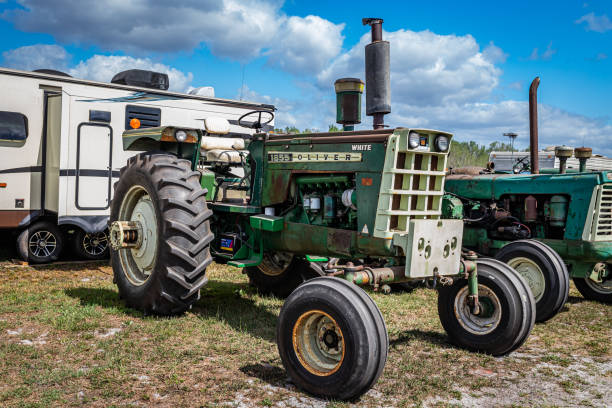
(494, 186)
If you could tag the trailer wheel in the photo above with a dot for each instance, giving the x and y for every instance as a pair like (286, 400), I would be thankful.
(91, 246)
(164, 273)
(544, 271)
(332, 339)
(41, 242)
(507, 310)
(591, 290)
(280, 273)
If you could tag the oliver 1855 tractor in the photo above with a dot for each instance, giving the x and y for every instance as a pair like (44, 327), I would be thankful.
(549, 227)
(370, 196)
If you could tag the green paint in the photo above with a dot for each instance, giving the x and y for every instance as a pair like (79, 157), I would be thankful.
(268, 223)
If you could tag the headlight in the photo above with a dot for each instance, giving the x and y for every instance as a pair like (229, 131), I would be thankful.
(180, 135)
(442, 143)
(413, 140)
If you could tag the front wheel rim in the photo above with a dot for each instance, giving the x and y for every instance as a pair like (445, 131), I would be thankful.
(138, 263)
(532, 273)
(318, 343)
(603, 288)
(42, 244)
(490, 316)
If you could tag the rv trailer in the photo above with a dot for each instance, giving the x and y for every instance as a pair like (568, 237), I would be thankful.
(61, 150)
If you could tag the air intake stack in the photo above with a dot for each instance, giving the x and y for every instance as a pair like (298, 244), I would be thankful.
(378, 84)
(348, 102)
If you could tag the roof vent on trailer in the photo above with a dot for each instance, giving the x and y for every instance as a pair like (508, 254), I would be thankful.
(52, 72)
(142, 78)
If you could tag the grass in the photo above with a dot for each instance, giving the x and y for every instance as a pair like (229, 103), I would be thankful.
(66, 339)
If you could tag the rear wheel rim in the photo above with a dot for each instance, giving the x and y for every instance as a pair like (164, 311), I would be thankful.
(42, 244)
(318, 343)
(95, 244)
(275, 263)
(532, 273)
(491, 312)
(138, 263)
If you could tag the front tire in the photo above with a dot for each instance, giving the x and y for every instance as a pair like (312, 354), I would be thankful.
(332, 339)
(41, 242)
(591, 290)
(165, 273)
(544, 271)
(507, 310)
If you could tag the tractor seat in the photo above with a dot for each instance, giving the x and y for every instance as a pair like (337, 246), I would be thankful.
(221, 149)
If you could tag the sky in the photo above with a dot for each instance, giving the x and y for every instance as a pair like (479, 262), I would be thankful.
(461, 67)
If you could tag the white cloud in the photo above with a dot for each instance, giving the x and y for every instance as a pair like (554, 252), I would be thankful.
(235, 29)
(426, 68)
(102, 68)
(39, 56)
(306, 45)
(486, 122)
(97, 68)
(545, 56)
(600, 24)
(494, 54)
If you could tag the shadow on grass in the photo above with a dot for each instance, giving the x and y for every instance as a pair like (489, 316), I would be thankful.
(106, 298)
(575, 299)
(233, 304)
(427, 336)
(220, 301)
(266, 372)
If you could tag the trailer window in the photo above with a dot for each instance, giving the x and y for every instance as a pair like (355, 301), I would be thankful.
(13, 126)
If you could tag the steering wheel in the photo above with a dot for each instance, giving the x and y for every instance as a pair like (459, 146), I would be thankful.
(520, 166)
(257, 124)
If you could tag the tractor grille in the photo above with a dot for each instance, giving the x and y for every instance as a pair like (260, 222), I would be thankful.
(603, 215)
(412, 186)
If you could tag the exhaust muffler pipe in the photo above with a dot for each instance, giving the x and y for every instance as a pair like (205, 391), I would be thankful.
(377, 72)
(533, 126)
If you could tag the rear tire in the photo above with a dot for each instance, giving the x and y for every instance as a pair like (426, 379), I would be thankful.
(91, 246)
(166, 194)
(593, 291)
(332, 339)
(544, 271)
(280, 273)
(508, 310)
(41, 242)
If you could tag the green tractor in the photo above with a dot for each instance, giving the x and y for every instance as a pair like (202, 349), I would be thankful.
(370, 198)
(549, 227)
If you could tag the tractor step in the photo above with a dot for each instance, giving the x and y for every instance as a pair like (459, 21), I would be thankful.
(244, 263)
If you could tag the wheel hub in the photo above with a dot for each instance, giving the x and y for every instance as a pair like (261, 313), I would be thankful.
(489, 317)
(42, 243)
(134, 234)
(318, 343)
(532, 273)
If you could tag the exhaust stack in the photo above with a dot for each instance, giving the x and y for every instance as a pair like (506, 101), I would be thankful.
(378, 84)
(533, 126)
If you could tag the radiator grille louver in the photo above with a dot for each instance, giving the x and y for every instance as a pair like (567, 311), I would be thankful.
(604, 214)
(412, 187)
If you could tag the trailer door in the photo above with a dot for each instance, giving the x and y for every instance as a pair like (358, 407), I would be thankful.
(93, 166)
